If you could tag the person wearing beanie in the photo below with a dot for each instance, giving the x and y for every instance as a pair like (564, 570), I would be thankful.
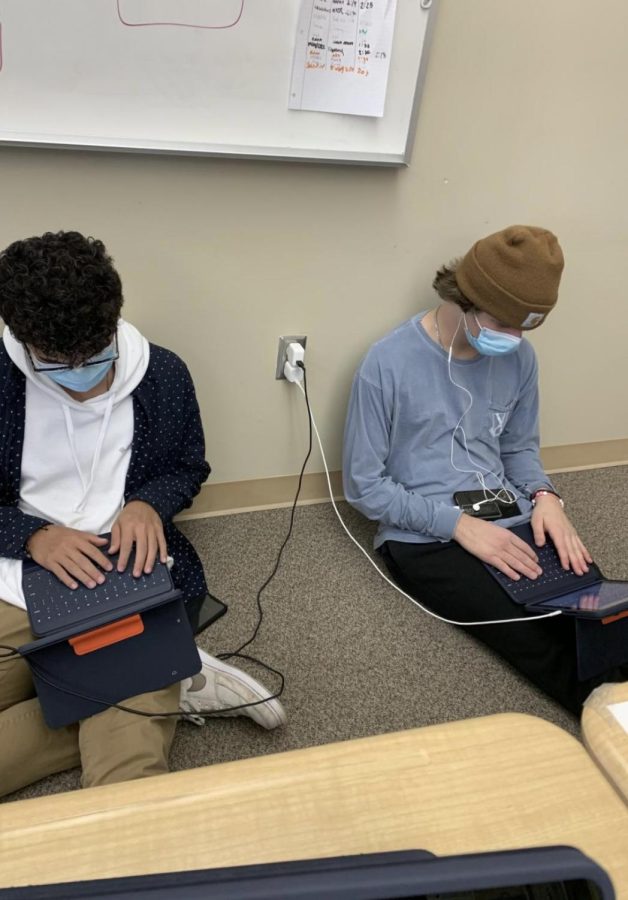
(447, 403)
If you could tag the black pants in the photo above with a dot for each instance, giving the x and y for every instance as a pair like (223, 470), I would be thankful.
(455, 584)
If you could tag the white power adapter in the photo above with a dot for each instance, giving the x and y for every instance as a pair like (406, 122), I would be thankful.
(295, 353)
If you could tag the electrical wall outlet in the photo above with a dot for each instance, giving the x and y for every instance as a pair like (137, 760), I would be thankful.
(281, 352)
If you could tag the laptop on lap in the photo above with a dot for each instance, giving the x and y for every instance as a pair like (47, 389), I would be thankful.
(587, 596)
(96, 647)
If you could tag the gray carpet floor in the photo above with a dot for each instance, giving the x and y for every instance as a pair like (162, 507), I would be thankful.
(359, 658)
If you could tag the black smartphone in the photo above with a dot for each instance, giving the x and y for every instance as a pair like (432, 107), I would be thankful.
(211, 609)
(481, 505)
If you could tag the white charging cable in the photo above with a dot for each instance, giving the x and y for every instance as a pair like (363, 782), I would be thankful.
(384, 576)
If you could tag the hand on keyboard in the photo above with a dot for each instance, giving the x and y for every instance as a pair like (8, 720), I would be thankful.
(138, 527)
(498, 547)
(73, 556)
(548, 518)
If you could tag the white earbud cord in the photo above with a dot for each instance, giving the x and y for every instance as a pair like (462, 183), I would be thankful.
(384, 576)
(504, 495)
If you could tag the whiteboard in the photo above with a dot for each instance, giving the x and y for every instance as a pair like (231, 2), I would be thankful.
(101, 74)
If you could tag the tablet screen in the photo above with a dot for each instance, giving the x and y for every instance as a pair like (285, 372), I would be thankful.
(607, 596)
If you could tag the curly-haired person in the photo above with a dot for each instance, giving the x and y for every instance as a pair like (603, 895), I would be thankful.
(100, 432)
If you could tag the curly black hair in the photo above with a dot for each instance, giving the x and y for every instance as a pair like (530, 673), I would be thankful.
(61, 294)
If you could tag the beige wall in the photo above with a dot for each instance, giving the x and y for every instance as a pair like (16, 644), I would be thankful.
(523, 119)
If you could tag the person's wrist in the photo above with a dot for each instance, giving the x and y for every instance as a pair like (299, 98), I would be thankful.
(29, 539)
(464, 520)
(544, 495)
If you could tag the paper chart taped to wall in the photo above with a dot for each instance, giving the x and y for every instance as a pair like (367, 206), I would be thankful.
(342, 56)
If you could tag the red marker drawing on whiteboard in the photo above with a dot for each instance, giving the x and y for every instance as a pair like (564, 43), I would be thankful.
(132, 13)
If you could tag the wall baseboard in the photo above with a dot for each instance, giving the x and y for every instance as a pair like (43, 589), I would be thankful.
(272, 493)
(576, 457)
(262, 493)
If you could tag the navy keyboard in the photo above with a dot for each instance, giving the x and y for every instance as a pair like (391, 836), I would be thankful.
(51, 605)
(552, 582)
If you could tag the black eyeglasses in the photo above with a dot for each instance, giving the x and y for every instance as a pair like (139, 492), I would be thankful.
(109, 354)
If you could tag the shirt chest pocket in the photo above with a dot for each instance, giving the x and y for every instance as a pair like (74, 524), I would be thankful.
(499, 413)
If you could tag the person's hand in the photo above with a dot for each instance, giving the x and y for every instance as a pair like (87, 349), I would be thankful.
(498, 547)
(548, 517)
(72, 555)
(138, 524)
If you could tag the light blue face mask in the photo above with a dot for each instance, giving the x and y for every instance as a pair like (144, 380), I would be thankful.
(82, 379)
(490, 342)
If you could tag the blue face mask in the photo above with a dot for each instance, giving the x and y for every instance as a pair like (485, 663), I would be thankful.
(490, 342)
(82, 379)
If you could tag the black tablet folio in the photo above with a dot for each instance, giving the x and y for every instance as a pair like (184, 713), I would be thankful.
(541, 873)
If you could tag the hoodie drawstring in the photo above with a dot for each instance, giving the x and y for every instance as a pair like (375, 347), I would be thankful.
(69, 425)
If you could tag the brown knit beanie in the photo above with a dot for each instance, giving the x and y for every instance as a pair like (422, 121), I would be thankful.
(513, 275)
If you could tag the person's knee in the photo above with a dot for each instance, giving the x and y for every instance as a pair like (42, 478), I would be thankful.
(16, 683)
(121, 746)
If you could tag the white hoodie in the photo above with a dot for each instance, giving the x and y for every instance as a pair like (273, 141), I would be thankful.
(76, 455)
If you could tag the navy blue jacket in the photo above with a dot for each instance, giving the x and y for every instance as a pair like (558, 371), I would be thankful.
(167, 466)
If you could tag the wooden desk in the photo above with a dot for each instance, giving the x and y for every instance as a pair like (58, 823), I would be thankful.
(604, 737)
(493, 783)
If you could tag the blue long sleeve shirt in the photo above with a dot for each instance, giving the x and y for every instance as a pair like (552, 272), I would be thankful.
(413, 437)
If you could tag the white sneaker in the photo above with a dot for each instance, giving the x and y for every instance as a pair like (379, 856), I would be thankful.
(219, 686)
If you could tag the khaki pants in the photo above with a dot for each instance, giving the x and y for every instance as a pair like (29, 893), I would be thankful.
(111, 746)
